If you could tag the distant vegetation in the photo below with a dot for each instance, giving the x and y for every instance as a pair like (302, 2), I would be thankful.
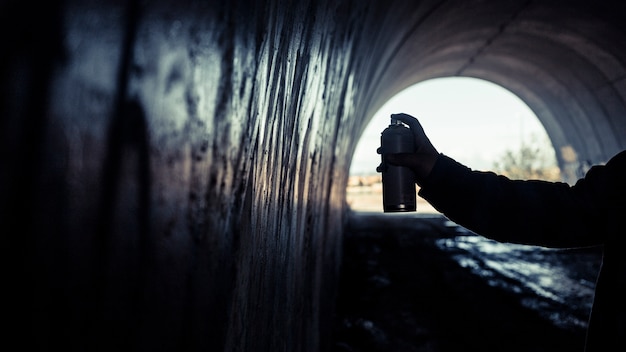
(533, 160)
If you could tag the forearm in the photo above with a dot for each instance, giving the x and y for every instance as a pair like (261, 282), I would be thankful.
(528, 212)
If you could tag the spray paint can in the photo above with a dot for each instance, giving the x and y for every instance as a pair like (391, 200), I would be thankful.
(398, 181)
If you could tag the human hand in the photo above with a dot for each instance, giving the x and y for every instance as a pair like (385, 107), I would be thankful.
(423, 159)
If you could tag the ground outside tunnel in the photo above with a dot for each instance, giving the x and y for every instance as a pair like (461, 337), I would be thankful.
(401, 290)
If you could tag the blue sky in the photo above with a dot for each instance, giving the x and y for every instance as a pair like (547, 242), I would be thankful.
(473, 121)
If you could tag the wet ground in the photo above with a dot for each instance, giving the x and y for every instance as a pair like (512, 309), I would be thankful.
(421, 283)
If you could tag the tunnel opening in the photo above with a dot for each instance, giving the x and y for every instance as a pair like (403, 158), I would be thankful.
(477, 122)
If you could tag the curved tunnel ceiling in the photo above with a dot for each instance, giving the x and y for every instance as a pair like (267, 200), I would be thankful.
(568, 65)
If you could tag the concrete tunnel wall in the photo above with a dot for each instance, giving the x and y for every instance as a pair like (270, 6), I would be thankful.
(174, 173)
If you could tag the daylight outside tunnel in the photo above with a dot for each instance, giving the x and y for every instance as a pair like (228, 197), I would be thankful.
(478, 123)
(173, 172)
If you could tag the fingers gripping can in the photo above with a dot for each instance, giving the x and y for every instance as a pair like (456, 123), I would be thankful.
(398, 181)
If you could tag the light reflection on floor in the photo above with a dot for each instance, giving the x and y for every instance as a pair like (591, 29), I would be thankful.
(559, 284)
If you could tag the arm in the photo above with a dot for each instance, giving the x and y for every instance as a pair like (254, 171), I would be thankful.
(550, 214)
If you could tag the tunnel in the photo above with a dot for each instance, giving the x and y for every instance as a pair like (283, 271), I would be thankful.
(173, 172)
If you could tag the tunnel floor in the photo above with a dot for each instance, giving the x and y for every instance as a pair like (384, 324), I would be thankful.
(416, 283)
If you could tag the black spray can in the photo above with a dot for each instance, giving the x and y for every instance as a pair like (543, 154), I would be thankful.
(398, 181)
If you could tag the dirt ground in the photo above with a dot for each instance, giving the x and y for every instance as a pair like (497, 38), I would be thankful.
(400, 292)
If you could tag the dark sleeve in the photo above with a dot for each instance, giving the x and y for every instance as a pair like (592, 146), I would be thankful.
(550, 214)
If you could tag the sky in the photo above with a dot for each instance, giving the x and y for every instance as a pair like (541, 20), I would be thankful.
(473, 121)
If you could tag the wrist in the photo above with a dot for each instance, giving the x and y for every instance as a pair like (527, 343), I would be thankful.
(423, 169)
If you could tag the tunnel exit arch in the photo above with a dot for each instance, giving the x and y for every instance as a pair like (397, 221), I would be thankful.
(471, 120)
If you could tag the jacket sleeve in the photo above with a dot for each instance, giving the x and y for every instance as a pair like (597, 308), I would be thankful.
(549, 214)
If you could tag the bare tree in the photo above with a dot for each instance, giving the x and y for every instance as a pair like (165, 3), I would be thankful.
(534, 160)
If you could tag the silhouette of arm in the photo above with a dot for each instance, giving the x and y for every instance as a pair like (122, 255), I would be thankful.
(550, 214)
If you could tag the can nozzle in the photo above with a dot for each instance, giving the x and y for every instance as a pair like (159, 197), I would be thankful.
(395, 121)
